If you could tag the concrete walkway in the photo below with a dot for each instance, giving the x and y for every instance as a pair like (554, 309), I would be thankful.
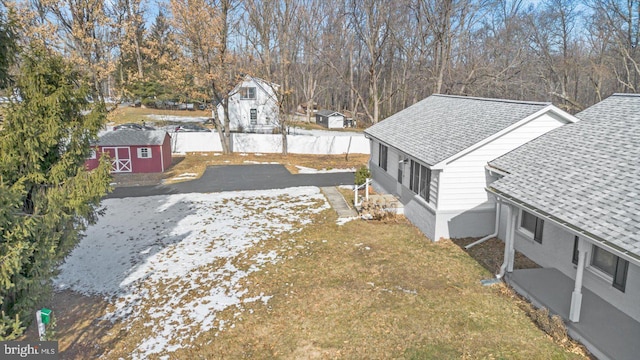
(338, 203)
(606, 331)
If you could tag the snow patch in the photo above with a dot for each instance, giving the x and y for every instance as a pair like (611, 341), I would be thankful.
(342, 221)
(177, 118)
(170, 263)
(306, 170)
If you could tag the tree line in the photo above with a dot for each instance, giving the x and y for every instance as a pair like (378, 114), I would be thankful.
(370, 57)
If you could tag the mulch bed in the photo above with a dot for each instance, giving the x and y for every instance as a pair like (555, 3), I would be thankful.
(490, 254)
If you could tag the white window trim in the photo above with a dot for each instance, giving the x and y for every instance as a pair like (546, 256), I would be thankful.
(255, 93)
(528, 235)
(148, 152)
(382, 146)
(93, 154)
(595, 270)
(429, 173)
(524, 231)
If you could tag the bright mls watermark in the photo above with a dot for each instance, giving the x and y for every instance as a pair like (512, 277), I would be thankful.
(45, 350)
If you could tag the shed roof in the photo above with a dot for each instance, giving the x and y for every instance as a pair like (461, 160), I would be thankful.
(586, 174)
(441, 126)
(328, 113)
(132, 137)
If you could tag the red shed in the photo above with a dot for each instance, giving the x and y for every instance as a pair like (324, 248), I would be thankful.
(134, 151)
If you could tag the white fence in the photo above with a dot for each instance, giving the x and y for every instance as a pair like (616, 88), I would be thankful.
(268, 143)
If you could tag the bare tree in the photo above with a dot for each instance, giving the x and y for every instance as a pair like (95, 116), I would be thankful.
(556, 48)
(130, 14)
(87, 35)
(620, 20)
(372, 23)
(275, 38)
(204, 28)
(309, 69)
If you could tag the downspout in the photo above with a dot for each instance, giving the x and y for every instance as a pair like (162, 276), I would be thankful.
(495, 231)
(503, 267)
(508, 244)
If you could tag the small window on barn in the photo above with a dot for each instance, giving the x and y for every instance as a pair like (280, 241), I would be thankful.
(92, 154)
(247, 93)
(144, 153)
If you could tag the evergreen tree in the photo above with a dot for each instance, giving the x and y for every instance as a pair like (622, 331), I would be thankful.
(7, 48)
(47, 197)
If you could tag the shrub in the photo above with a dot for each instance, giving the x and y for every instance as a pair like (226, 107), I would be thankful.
(149, 103)
(362, 175)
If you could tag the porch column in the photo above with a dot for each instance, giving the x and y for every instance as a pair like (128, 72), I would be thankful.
(576, 296)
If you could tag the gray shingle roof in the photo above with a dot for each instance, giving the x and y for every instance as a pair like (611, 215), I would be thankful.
(132, 137)
(328, 113)
(441, 126)
(586, 174)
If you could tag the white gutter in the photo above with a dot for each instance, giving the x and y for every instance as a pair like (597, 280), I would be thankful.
(495, 231)
(583, 234)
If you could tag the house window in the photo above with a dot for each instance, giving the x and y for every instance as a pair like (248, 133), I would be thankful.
(247, 93)
(576, 254)
(382, 156)
(531, 225)
(611, 265)
(144, 153)
(253, 114)
(92, 154)
(420, 180)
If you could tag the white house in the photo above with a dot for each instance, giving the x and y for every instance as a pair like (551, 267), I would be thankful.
(253, 106)
(570, 202)
(432, 156)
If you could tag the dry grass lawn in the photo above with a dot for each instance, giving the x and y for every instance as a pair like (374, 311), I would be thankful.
(373, 290)
(129, 114)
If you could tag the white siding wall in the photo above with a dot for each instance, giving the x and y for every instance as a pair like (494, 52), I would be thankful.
(384, 181)
(240, 110)
(556, 251)
(392, 165)
(416, 209)
(375, 154)
(393, 162)
(336, 122)
(464, 180)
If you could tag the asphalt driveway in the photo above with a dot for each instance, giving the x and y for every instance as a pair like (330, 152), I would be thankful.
(239, 177)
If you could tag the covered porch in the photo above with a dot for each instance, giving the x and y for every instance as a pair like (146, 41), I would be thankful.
(606, 332)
